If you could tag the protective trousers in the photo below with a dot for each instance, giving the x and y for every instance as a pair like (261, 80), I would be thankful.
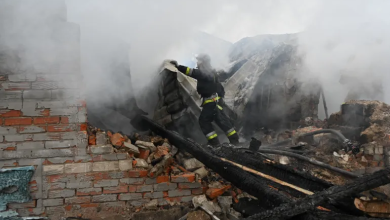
(213, 112)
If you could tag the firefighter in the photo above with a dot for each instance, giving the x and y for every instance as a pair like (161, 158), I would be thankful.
(212, 93)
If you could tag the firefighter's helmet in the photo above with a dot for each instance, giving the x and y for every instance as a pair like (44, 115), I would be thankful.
(203, 58)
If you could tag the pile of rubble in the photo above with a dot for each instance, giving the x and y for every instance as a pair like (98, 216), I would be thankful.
(160, 158)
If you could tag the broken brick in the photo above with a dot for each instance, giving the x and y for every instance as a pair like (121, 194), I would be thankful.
(213, 193)
(162, 179)
(92, 140)
(143, 153)
(160, 152)
(83, 127)
(117, 139)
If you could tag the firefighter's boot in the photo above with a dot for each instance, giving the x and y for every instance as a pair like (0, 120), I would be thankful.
(214, 142)
(234, 139)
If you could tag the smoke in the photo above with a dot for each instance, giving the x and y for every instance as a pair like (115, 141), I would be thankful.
(335, 36)
(158, 30)
(153, 31)
(349, 37)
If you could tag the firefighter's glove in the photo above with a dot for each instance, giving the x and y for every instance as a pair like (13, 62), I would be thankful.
(174, 62)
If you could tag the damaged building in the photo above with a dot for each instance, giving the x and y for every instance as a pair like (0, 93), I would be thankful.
(58, 162)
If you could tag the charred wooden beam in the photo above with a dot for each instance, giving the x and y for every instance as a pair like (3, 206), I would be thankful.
(322, 215)
(331, 195)
(243, 180)
(259, 187)
(286, 174)
(278, 171)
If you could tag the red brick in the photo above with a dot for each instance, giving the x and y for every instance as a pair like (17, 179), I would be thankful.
(47, 120)
(184, 178)
(9, 149)
(64, 120)
(18, 121)
(68, 208)
(78, 200)
(132, 188)
(45, 112)
(1, 121)
(162, 179)
(10, 113)
(138, 173)
(143, 173)
(116, 189)
(143, 153)
(197, 191)
(83, 127)
(174, 199)
(89, 205)
(59, 128)
(213, 193)
(165, 194)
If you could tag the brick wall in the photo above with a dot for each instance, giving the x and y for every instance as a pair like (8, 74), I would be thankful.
(97, 185)
(43, 123)
(100, 185)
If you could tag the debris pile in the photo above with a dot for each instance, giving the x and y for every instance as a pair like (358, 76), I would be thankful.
(367, 123)
(218, 198)
(148, 152)
(162, 159)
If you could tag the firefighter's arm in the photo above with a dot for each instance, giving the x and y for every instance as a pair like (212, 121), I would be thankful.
(194, 73)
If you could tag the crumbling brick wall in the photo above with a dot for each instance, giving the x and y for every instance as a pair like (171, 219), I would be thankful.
(43, 123)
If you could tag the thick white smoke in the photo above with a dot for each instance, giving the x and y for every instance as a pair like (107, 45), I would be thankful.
(157, 30)
(348, 36)
(335, 35)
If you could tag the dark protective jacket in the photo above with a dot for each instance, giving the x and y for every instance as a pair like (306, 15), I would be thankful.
(208, 83)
